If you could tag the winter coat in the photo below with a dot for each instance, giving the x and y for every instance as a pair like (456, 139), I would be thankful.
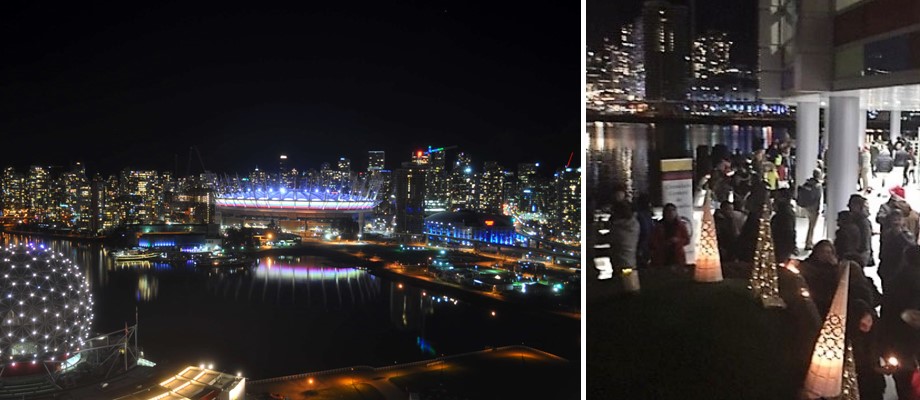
(884, 162)
(901, 158)
(664, 251)
(728, 227)
(646, 227)
(911, 218)
(865, 239)
(624, 241)
(895, 335)
(891, 253)
(782, 226)
(823, 278)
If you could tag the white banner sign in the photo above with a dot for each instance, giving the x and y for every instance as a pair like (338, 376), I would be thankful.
(677, 189)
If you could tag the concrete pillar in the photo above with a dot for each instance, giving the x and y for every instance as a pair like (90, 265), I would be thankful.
(862, 126)
(842, 156)
(895, 125)
(827, 124)
(360, 225)
(807, 129)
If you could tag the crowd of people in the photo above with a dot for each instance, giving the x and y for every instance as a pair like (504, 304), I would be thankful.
(741, 187)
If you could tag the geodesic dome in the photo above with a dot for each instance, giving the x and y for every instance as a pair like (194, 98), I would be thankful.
(45, 305)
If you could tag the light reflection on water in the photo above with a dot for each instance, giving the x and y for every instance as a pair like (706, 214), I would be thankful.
(630, 154)
(292, 314)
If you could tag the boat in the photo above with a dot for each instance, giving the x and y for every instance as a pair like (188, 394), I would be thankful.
(226, 262)
(134, 255)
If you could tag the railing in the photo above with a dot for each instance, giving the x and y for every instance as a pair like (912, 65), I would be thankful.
(430, 362)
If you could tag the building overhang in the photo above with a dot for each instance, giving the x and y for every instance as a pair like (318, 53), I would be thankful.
(897, 97)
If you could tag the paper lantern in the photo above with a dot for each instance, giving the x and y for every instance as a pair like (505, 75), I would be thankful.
(708, 264)
(825, 374)
(850, 389)
(764, 279)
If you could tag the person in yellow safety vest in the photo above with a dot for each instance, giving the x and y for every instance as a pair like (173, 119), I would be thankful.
(770, 175)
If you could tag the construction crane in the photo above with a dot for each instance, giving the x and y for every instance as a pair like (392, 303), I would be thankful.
(188, 167)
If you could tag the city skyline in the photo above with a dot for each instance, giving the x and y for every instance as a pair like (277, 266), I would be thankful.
(604, 20)
(140, 86)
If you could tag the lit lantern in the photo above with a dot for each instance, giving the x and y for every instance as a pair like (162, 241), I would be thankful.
(764, 278)
(630, 279)
(708, 263)
(825, 374)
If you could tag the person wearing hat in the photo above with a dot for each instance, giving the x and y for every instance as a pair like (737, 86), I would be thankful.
(847, 237)
(859, 216)
(896, 238)
(897, 202)
(896, 337)
(809, 198)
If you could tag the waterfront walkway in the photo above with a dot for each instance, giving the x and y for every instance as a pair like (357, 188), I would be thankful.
(508, 372)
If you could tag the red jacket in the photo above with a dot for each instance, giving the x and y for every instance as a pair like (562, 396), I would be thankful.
(663, 249)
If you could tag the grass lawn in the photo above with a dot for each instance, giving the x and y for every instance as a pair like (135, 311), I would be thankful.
(683, 340)
(360, 391)
(505, 377)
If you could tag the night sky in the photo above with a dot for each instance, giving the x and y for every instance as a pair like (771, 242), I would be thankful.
(136, 84)
(738, 18)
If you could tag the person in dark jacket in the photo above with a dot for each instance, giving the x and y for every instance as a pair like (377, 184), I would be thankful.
(783, 229)
(669, 238)
(884, 165)
(897, 238)
(859, 216)
(896, 337)
(747, 239)
(728, 226)
(811, 204)
(846, 238)
(643, 207)
(821, 271)
(822, 274)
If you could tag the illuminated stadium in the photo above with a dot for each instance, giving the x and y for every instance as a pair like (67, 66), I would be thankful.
(297, 201)
(297, 210)
(46, 308)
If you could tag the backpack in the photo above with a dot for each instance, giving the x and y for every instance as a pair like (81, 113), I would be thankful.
(808, 195)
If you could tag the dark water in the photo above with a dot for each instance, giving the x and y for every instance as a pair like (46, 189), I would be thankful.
(630, 154)
(295, 314)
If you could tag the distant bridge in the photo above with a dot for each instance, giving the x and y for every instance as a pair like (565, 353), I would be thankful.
(687, 118)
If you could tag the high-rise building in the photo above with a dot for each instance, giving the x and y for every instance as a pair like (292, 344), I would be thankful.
(344, 165)
(13, 193)
(627, 64)
(491, 193)
(567, 210)
(38, 191)
(463, 190)
(142, 193)
(409, 191)
(375, 160)
(420, 157)
(113, 206)
(436, 182)
(711, 52)
(666, 49)
(258, 178)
